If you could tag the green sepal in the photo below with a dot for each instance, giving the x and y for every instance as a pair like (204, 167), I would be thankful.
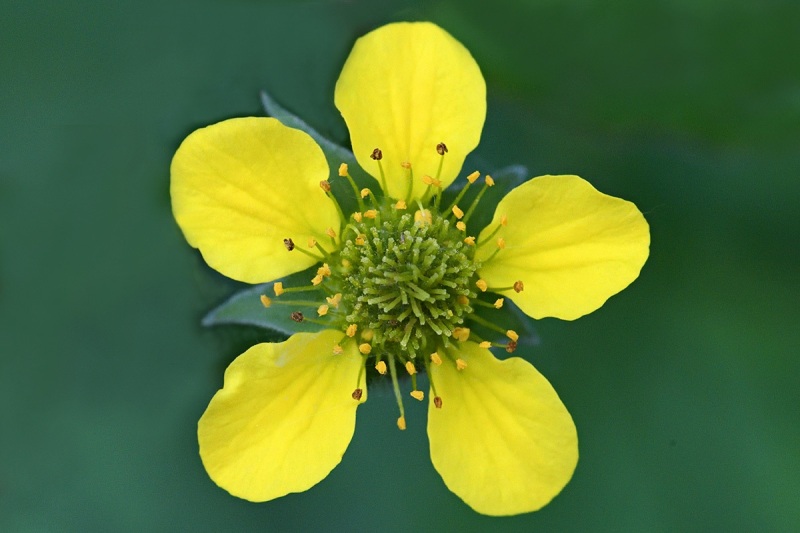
(335, 154)
(245, 308)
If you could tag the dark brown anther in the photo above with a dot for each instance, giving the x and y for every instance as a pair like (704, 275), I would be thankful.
(325, 185)
(377, 155)
(511, 346)
(441, 148)
(297, 316)
(437, 401)
(357, 394)
(518, 286)
(289, 244)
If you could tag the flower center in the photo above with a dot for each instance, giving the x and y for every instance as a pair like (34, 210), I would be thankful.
(408, 281)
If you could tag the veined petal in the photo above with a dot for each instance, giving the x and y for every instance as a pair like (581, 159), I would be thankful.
(284, 417)
(242, 186)
(502, 441)
(405, 88)
(572, 246)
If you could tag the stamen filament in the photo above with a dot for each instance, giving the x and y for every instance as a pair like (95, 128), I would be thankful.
(355, 191)
(303, 288)
(486, 323)
(489, 238)
(338, 208)
(308, 253)
(475, 202)
(383, 178)
(459, 197)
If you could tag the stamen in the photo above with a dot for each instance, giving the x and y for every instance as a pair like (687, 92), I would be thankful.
(358, 217)
(417, 395)
(370, 213)
(265, 301)
(423, 216)
(324, 270)
(401, 422)
(351, 330)
(322, 310)
(462, 299)
(278, 288)
(490, 325)
(461, 226)
(365, 348)
(289, 244)
(344, 173)
(312, 242)
(410, 368)
(470, 241)
(436, 359)
(518, 286)
(511, 346)
(485, 344)
(400, 205)
(357, 394)
(441, 148)
(458, 213)
(437, 401)
(316, 280)
(511, 334)
(461, 364)
(381, 368)
(482, 285)
(325, 185)
(377, 155)
(297, 316)
(504, 220)
(365, 192)
(337, 349)
(470, 180)
(499, 303)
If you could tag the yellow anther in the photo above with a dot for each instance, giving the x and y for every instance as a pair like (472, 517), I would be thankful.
(367, 334)
(343, 170)
(461, 334)
(461, 364)
(337, 349)
(365, 192)
(330, 233)
(351, 330)
(462, 299)
(504, 220)
(499, 303)
(325, 185)
(324, 270)
(381, 368)
(312, 243)
(334, 300)
(511, 334)
(316, 280)
(410, 368)
(357, 216)
(417, 395)
(436, 359)
(406, 165)
(361, 239)
(278, 288)
(501, 243)
(365, 348)
(423, 216)
(370, 213)
(401, 204)
(265, 301)
(322, 310)
(519, 286)
(470, 241)
(458, 212)
(461, 226)
(489, 181)
(401, 423)
(481, 284)
(485, 344)
(473, 177)
(346, 263)
(427, 180)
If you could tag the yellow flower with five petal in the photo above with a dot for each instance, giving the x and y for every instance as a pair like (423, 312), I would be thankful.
(398, 280)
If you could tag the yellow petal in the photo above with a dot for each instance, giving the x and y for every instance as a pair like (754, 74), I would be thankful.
(284, 417)
(572, 246)
(242, 186)
(405, 88)
(503, 442)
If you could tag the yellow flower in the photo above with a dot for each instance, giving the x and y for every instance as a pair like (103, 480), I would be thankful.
(245, 190)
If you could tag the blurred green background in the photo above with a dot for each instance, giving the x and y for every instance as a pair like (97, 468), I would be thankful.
(684, 388)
